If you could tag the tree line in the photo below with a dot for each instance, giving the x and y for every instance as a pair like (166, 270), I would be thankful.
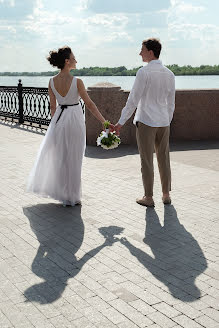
(123, 71)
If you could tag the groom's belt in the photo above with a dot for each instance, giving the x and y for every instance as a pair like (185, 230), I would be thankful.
(62, 109)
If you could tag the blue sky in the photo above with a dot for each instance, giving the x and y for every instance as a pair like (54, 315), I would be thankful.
(107, 32)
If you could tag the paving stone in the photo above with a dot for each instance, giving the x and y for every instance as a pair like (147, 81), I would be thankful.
(82, 291)
(110, 285)
(96, 317)
(166, 309)
(61, 322)
(83, 323)
(70, 312)
(187, 310)
(143, 295)
(127, 324)
(98, 302)
(167, 298)
(142, 307)
(213, 302)
(105, 294)
(15, 317)
(77, 301)
(113, 315)
(186, 322)
(125, 295)
(207, 322)
(56, 269)
(131, 313)
(212, 313)
(133, 277)
(106, 325)
(161, 319)
(4, 322)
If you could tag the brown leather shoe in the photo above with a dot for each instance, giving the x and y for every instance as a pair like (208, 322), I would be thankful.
(144, 201)
(166, 200)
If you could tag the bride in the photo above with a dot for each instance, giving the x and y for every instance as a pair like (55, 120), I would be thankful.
(57, 170)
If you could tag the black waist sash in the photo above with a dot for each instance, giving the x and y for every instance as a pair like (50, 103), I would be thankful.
(62, 109)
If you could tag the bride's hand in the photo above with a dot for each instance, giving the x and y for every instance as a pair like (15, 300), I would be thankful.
(111, 127)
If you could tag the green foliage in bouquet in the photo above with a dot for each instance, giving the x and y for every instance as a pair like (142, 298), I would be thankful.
(108, 140)
(106, 124)
(112, 139)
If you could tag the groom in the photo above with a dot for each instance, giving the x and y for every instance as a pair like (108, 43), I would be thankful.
(153, 93)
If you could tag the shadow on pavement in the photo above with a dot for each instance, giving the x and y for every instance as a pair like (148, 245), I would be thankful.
(178, 259)
(122, 150)
(175, 146)
(60, 232)
(193, 145)
(24, 127)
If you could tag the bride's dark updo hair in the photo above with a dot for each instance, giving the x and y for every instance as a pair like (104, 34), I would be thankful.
(57, 58)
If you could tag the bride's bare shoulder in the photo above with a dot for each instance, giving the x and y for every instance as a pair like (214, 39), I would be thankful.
(55, 77)
(80, 83)
(79, 80)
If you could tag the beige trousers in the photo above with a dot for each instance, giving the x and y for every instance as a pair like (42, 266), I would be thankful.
(148, 139)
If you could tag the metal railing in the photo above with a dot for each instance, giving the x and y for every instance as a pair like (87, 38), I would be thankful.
(27, 104)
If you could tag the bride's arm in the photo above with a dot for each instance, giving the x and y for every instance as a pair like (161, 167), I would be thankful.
(52, 100)
(88, 102)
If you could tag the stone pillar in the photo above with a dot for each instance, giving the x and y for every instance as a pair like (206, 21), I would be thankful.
(110, 99)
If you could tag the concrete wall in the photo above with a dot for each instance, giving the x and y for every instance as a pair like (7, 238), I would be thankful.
(196, 114)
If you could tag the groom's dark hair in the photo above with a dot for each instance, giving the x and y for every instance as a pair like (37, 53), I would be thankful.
(154, 45)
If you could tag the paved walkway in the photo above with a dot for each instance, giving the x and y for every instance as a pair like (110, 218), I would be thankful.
(110, 263)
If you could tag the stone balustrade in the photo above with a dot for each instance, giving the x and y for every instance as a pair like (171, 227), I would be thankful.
(196, 114)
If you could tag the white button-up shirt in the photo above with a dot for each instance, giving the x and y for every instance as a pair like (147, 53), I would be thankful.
(153, 93)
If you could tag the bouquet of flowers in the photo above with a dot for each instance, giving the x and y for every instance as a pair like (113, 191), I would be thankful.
(108, 140)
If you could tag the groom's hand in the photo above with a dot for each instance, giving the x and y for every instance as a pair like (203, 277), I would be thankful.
(112, 127)
(117, 128)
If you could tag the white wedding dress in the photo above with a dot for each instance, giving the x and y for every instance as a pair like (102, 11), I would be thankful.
(57, 170)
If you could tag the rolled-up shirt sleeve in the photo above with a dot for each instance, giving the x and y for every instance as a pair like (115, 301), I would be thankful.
(171, 99)
(134, 96)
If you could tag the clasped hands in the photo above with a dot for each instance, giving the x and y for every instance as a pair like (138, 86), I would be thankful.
(109, 241)
(115, 128)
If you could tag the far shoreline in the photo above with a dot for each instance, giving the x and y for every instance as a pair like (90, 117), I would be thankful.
(41, 75)
(187, 70)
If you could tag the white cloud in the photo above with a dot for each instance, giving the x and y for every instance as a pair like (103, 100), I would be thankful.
(180, 15)
(44, 21)
(107, 20)
(179, 6)
(180, 11)
(11, 3)
(105, 28)
(202, 32)
(162, 11)
(105, 37)
(38, 7)
(83, 5)
(95, 29)
(119, 35)
(188, 34)
(50, 24)
(7, 27)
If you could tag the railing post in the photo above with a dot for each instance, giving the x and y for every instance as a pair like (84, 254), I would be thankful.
(20, 100)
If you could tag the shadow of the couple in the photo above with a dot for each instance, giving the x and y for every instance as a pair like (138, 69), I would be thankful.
(60, 232)
(176, 262)
(178, 259)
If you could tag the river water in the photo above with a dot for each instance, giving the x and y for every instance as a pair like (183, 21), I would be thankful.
(125, 82)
